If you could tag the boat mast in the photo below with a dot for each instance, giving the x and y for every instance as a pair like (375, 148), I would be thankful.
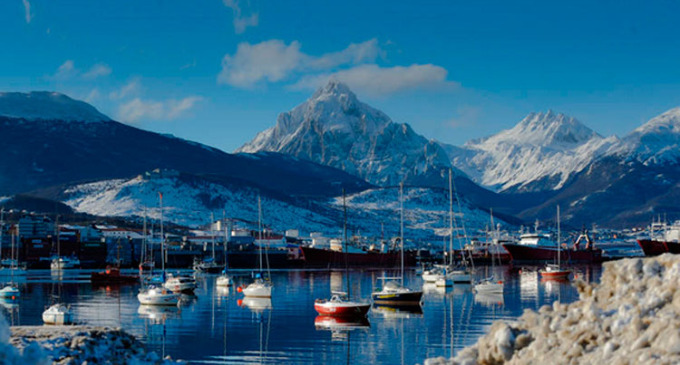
(559, 245)
(344, 234)
(401, 227)
(259, 228)
(160, 195)
(450, 219)
(226, 235)
(212, 234)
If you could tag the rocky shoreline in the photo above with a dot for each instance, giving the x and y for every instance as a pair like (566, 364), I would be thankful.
(72, 345)
(631, 317)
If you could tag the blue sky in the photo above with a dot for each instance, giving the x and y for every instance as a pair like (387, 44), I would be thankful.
(219, 71)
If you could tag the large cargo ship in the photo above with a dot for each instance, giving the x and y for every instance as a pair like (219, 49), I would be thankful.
(322, 258)
(663, 238)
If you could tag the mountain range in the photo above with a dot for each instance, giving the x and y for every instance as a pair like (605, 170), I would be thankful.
(58, 148)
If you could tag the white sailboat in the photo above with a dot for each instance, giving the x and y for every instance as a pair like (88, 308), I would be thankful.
(224, 280)
(152, 295)
(453, 274)
(394, 293)
(261, 287)
(490, 285)
(10, 291)
(59, 262)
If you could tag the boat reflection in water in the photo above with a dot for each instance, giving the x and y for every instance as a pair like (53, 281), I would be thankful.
(490, 299)
(255, 304)
(398, 311)
(158, 314)
(341, 326)
(223, 291)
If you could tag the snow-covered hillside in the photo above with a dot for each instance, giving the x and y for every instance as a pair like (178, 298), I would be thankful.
(656, 142)
(540, 153)
(44, 105)
(334, 128)
(189, 201)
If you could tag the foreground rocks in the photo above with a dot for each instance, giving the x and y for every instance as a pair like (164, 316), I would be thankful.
(73, 345)
(631, 317)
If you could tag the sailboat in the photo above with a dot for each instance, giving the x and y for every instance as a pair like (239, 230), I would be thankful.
(394, 292)
(261, 287)
(224, 280)
(490, 285)
(59, 262)
(555, 271)
(452, 274)
(210, 265)
(152, 295)
(340, 305)
(58, 313)
(10, 291)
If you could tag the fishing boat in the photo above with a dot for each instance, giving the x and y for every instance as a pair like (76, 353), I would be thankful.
(663, 238)
(340, 304)
(112, 275)
(261, 287)
(58, 314)
(539, 247)
(394, 292)
(153, 295)
(555, 270)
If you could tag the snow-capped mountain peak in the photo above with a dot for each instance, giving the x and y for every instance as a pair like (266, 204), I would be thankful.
(657, 141)
(334, 128)
(45, 105)
(548, 129)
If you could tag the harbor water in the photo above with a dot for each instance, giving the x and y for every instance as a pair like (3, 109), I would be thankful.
(220, 326)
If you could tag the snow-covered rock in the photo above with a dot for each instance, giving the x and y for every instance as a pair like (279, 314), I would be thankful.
(540, 153)
(632, 316)
(75, 345)
(44, 105)
(334, 128)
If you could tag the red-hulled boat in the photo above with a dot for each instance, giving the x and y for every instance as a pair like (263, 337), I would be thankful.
(532, 253)
(340, 306)
(326, 258)
(112, 275)
(653, 247)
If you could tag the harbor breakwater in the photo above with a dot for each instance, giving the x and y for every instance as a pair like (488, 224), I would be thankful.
(631, 317)
(42, 345)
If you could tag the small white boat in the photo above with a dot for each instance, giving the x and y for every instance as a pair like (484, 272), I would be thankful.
(10, 291)
(157, 296)
(459, 276)
(224, 280)
(258, 289)
(489, 286)
(180, 284)
(61, 263)
(58, 314)
(433, 274)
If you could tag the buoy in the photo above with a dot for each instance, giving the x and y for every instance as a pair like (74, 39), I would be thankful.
(239, 289)
(239, 302)
(500, 282)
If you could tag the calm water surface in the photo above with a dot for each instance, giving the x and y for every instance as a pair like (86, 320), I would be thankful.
(219, 326)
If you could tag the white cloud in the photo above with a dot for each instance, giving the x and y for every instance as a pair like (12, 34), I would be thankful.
(379, 81)
(65, 71)
(138, 109)
(93, 95)
(132, 87)
(97, 70)
(274, 61)
(27, 9)
(241, 21)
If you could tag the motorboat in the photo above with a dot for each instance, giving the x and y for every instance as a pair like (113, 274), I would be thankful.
(556, 271)
(10, 291)
(489, 285)
(153, 295)
(340, 306)
(260, 288)
(393, 293)
(58, 314)
(180, 283)
(224, 280)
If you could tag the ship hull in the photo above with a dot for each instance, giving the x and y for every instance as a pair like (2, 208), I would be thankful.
(534, 254)
(654, 248)
(321, 259)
